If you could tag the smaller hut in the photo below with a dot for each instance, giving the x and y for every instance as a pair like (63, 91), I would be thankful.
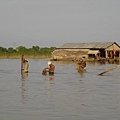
(93, 53)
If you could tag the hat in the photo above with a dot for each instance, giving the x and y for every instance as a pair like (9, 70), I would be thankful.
(26, 61)
(49, 63)
(81, 60)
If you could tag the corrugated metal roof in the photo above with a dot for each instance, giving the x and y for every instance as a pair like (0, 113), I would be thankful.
(88, 45)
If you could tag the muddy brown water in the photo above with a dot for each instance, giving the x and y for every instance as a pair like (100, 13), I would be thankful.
(68, 95)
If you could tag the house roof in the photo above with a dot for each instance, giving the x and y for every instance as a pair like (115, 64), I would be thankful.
(88, 45)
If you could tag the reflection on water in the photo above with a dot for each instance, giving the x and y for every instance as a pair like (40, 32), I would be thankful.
(67, 95)
(24, 87)
(49, 78)
(49, 85)
(24, 76)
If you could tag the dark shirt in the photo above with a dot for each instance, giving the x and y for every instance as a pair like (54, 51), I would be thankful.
(51, 73)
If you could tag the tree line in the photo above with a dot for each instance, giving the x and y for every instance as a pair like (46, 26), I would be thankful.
(33, 51)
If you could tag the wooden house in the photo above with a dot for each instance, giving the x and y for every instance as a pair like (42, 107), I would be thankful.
(89, 50)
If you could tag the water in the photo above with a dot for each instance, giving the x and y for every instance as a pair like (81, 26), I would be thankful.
(67, 95)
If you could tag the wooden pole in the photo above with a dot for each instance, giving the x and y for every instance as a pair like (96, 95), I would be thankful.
(109, 70)
(22, 61)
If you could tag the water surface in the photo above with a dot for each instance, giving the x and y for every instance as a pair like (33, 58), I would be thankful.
(67, 95)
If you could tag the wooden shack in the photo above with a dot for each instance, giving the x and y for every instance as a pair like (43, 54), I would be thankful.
(89, 50)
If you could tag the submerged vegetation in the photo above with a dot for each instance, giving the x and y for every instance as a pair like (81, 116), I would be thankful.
(34, 52)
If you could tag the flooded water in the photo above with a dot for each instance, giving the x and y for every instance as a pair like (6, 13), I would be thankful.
(68, 95)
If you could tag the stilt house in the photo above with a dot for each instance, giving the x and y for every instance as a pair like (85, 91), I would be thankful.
(94, 50)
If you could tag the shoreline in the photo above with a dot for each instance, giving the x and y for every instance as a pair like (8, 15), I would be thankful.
(27, 56)
(51, 58)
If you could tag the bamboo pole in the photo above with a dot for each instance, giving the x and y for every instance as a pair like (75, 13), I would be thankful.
(22, 61)
(109, 70)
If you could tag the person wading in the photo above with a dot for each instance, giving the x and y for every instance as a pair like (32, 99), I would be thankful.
(50, 70)
(26, 65)
(81, 64)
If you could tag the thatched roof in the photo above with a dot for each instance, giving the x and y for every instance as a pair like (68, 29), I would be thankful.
(97, 45)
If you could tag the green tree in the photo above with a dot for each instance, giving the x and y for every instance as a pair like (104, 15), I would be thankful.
(21, 49)
(36, 48)
(2, 49)
(11, 50)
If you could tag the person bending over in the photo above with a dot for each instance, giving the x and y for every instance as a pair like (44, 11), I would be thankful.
(50, 70)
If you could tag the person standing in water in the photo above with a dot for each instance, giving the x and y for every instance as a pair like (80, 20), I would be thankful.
(26, 66)
(50, 70)
(81, 64)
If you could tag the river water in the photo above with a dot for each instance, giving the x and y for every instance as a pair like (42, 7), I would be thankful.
(68, 95)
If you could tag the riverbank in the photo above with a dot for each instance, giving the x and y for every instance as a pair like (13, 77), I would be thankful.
(27, 56)
(50, 57)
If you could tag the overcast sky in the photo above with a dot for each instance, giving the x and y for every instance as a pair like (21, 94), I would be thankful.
(48, 23)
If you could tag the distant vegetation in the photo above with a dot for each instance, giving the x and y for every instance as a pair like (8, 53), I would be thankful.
(34, 52)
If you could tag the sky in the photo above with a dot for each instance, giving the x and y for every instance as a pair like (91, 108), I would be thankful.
(51, 23)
